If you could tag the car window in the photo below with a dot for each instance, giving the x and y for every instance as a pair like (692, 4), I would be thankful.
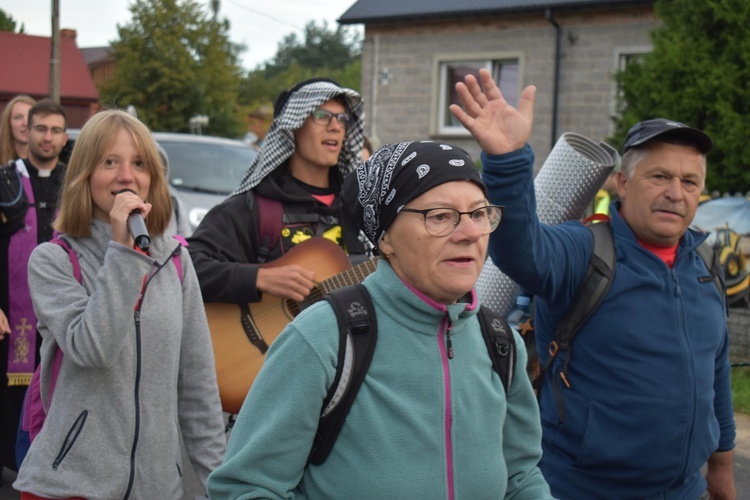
(214, 168)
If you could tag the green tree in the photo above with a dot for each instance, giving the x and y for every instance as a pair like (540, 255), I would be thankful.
(697, 73)
(320, 48)
(7, 23)
(321, 53)
(175, 61)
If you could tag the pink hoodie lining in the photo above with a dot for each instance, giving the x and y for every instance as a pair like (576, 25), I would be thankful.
(470, 306)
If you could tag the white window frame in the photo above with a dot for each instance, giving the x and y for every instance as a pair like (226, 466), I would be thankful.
(440, 111)
(621, 57)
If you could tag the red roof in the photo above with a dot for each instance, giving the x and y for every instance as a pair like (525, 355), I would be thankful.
(25, 64)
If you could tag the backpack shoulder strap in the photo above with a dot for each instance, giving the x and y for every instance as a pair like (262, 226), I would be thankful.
(593, 288)
(270, 224)
(176, 255)
(72, 255)
(500, 344)
(358, 330)
(713, 264)
(79, 277)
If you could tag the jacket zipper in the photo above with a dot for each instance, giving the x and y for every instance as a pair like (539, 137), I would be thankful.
(137, 387)
(138, 366)
(691, 379)
(446, 353)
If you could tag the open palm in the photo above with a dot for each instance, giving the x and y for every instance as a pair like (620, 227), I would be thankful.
(497, 126)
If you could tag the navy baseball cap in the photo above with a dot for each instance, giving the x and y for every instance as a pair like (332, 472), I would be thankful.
(644, 131)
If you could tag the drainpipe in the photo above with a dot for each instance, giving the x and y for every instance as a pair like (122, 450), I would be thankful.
(556, 88)
(374, 82)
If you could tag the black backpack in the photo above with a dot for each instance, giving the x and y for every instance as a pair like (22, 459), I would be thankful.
(591, 292)
(357, 338)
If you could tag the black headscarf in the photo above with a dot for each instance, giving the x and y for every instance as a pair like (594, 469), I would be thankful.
(396, 174)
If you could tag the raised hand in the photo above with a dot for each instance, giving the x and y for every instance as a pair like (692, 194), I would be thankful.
(497, 126)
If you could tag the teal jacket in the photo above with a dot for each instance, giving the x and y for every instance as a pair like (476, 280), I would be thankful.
(422, 426)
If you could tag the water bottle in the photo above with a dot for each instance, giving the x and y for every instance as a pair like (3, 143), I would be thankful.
(521, 311)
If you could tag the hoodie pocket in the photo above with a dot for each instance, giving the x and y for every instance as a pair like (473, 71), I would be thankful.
(70, 438)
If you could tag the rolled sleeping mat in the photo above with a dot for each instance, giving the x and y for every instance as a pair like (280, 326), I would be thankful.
(565, 186)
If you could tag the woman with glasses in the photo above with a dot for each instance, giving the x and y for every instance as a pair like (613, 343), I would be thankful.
(431, 419)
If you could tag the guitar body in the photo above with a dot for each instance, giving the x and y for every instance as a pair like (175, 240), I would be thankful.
(238, 360)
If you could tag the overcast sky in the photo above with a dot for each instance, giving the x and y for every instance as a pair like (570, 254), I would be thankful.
(258, 24)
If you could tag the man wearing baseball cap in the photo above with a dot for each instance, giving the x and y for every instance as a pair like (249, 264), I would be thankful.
(641, 399)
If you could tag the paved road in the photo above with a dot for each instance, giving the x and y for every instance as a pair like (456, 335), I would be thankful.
(741, 468)
(742, 456)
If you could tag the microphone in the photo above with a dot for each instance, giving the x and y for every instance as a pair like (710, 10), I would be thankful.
(137, 227)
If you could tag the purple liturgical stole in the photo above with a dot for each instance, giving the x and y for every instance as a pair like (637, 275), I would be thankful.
(22, 347)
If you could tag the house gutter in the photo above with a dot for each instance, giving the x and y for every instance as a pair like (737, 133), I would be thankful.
(556, 87)
(374, 82)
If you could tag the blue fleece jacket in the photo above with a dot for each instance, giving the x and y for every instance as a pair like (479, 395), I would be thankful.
(650, 397)
(422, 425)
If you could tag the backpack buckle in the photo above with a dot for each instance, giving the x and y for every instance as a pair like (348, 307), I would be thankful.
(553, 348)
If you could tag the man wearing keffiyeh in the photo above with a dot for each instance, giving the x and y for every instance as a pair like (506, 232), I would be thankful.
(315, 139)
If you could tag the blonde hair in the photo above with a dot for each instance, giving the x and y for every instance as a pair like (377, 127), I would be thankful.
(7, 141)
(92, 146)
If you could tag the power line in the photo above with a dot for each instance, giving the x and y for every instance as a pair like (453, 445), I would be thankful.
(262, 14)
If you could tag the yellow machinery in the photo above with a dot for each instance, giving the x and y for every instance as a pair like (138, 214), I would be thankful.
(731, 248)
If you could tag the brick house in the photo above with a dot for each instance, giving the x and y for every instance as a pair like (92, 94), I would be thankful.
(25, 68)
(101, 63)
(415, 50)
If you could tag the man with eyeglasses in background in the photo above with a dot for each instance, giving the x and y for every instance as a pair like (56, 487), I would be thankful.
(41, 177)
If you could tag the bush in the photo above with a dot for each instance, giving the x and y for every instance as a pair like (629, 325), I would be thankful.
(741, 389)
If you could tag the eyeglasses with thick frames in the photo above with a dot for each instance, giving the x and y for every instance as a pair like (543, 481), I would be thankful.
(43, 129)
(323, 117)
(443, 221)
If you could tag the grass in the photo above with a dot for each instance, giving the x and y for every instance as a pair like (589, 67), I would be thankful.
(741, 389)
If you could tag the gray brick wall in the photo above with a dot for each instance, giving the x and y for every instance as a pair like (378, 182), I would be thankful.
(739, 335)
(402, 108)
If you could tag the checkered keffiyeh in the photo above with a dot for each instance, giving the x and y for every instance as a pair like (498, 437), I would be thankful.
(279, 145)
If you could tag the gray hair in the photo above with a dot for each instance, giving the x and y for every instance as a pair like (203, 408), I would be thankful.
(636, 155)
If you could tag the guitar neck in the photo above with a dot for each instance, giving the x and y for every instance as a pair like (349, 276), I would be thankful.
(351, 276)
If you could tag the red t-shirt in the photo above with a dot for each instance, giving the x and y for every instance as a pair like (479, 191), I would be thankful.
(666, 254)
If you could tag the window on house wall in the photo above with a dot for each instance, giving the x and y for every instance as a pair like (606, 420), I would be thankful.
(505, 72)
(623, 59)
(626, 58)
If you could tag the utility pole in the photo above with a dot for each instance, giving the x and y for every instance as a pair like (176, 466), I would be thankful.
(54, 62)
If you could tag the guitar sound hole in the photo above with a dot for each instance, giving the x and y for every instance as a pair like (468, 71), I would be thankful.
(293, 307)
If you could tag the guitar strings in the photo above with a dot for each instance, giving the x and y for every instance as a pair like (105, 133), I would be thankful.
(349, 276)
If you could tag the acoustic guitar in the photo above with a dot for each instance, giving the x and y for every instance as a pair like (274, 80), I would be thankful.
(242, 333)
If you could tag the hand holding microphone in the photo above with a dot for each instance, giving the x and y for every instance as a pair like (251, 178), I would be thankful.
(137, 226)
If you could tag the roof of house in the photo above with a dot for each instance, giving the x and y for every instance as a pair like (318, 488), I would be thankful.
(96, 55)
(394, 11)
(25, 67)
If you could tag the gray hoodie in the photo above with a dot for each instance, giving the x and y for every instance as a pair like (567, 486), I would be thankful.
(123, 393)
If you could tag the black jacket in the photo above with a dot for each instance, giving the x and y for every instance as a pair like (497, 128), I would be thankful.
(226, 246)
